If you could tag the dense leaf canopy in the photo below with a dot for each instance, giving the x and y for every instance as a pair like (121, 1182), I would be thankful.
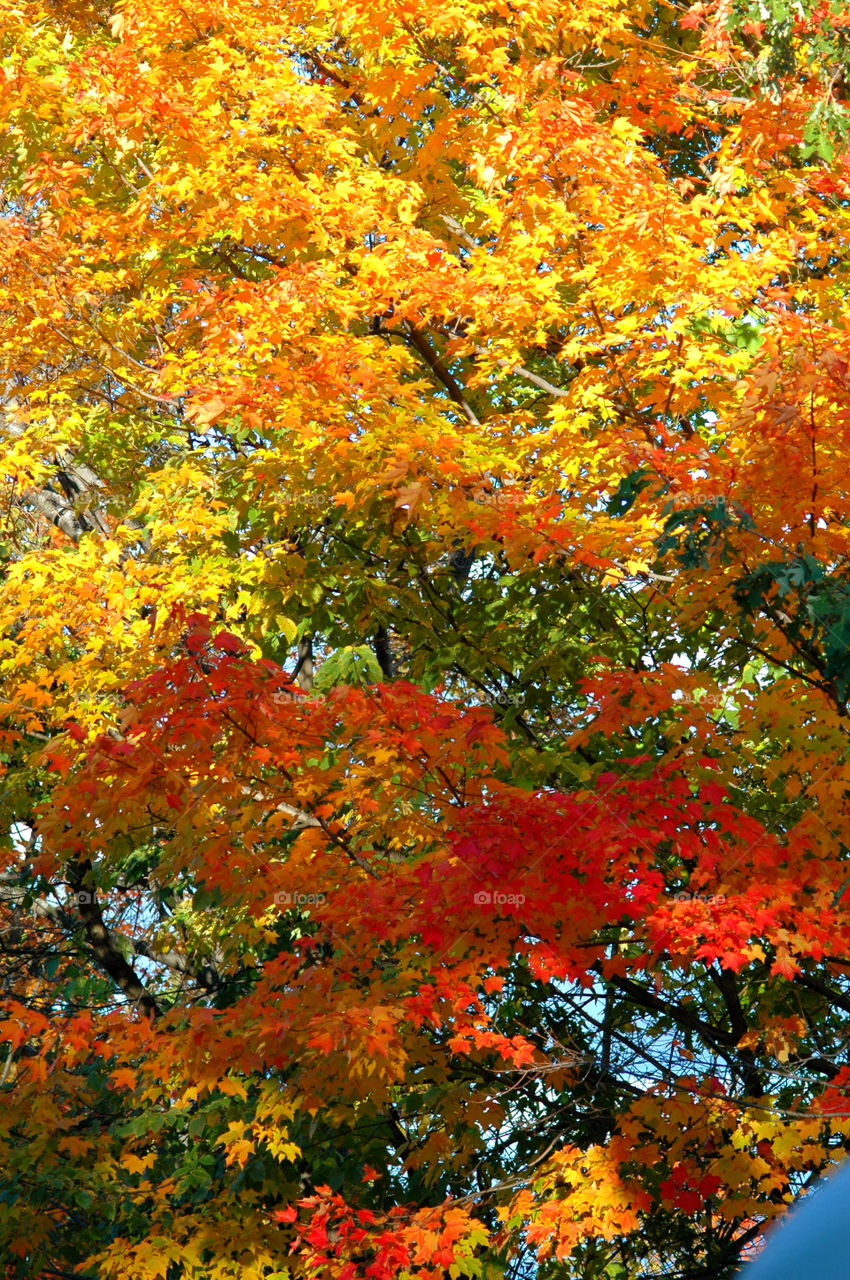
(424, 635)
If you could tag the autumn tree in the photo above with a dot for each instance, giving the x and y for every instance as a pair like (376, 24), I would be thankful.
(425, 609)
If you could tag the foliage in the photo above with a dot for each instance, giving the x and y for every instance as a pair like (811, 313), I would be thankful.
(423, 675)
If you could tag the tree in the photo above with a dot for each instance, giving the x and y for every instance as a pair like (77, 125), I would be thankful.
(425, 626)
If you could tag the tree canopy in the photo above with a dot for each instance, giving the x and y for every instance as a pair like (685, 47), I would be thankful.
(424, 635)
